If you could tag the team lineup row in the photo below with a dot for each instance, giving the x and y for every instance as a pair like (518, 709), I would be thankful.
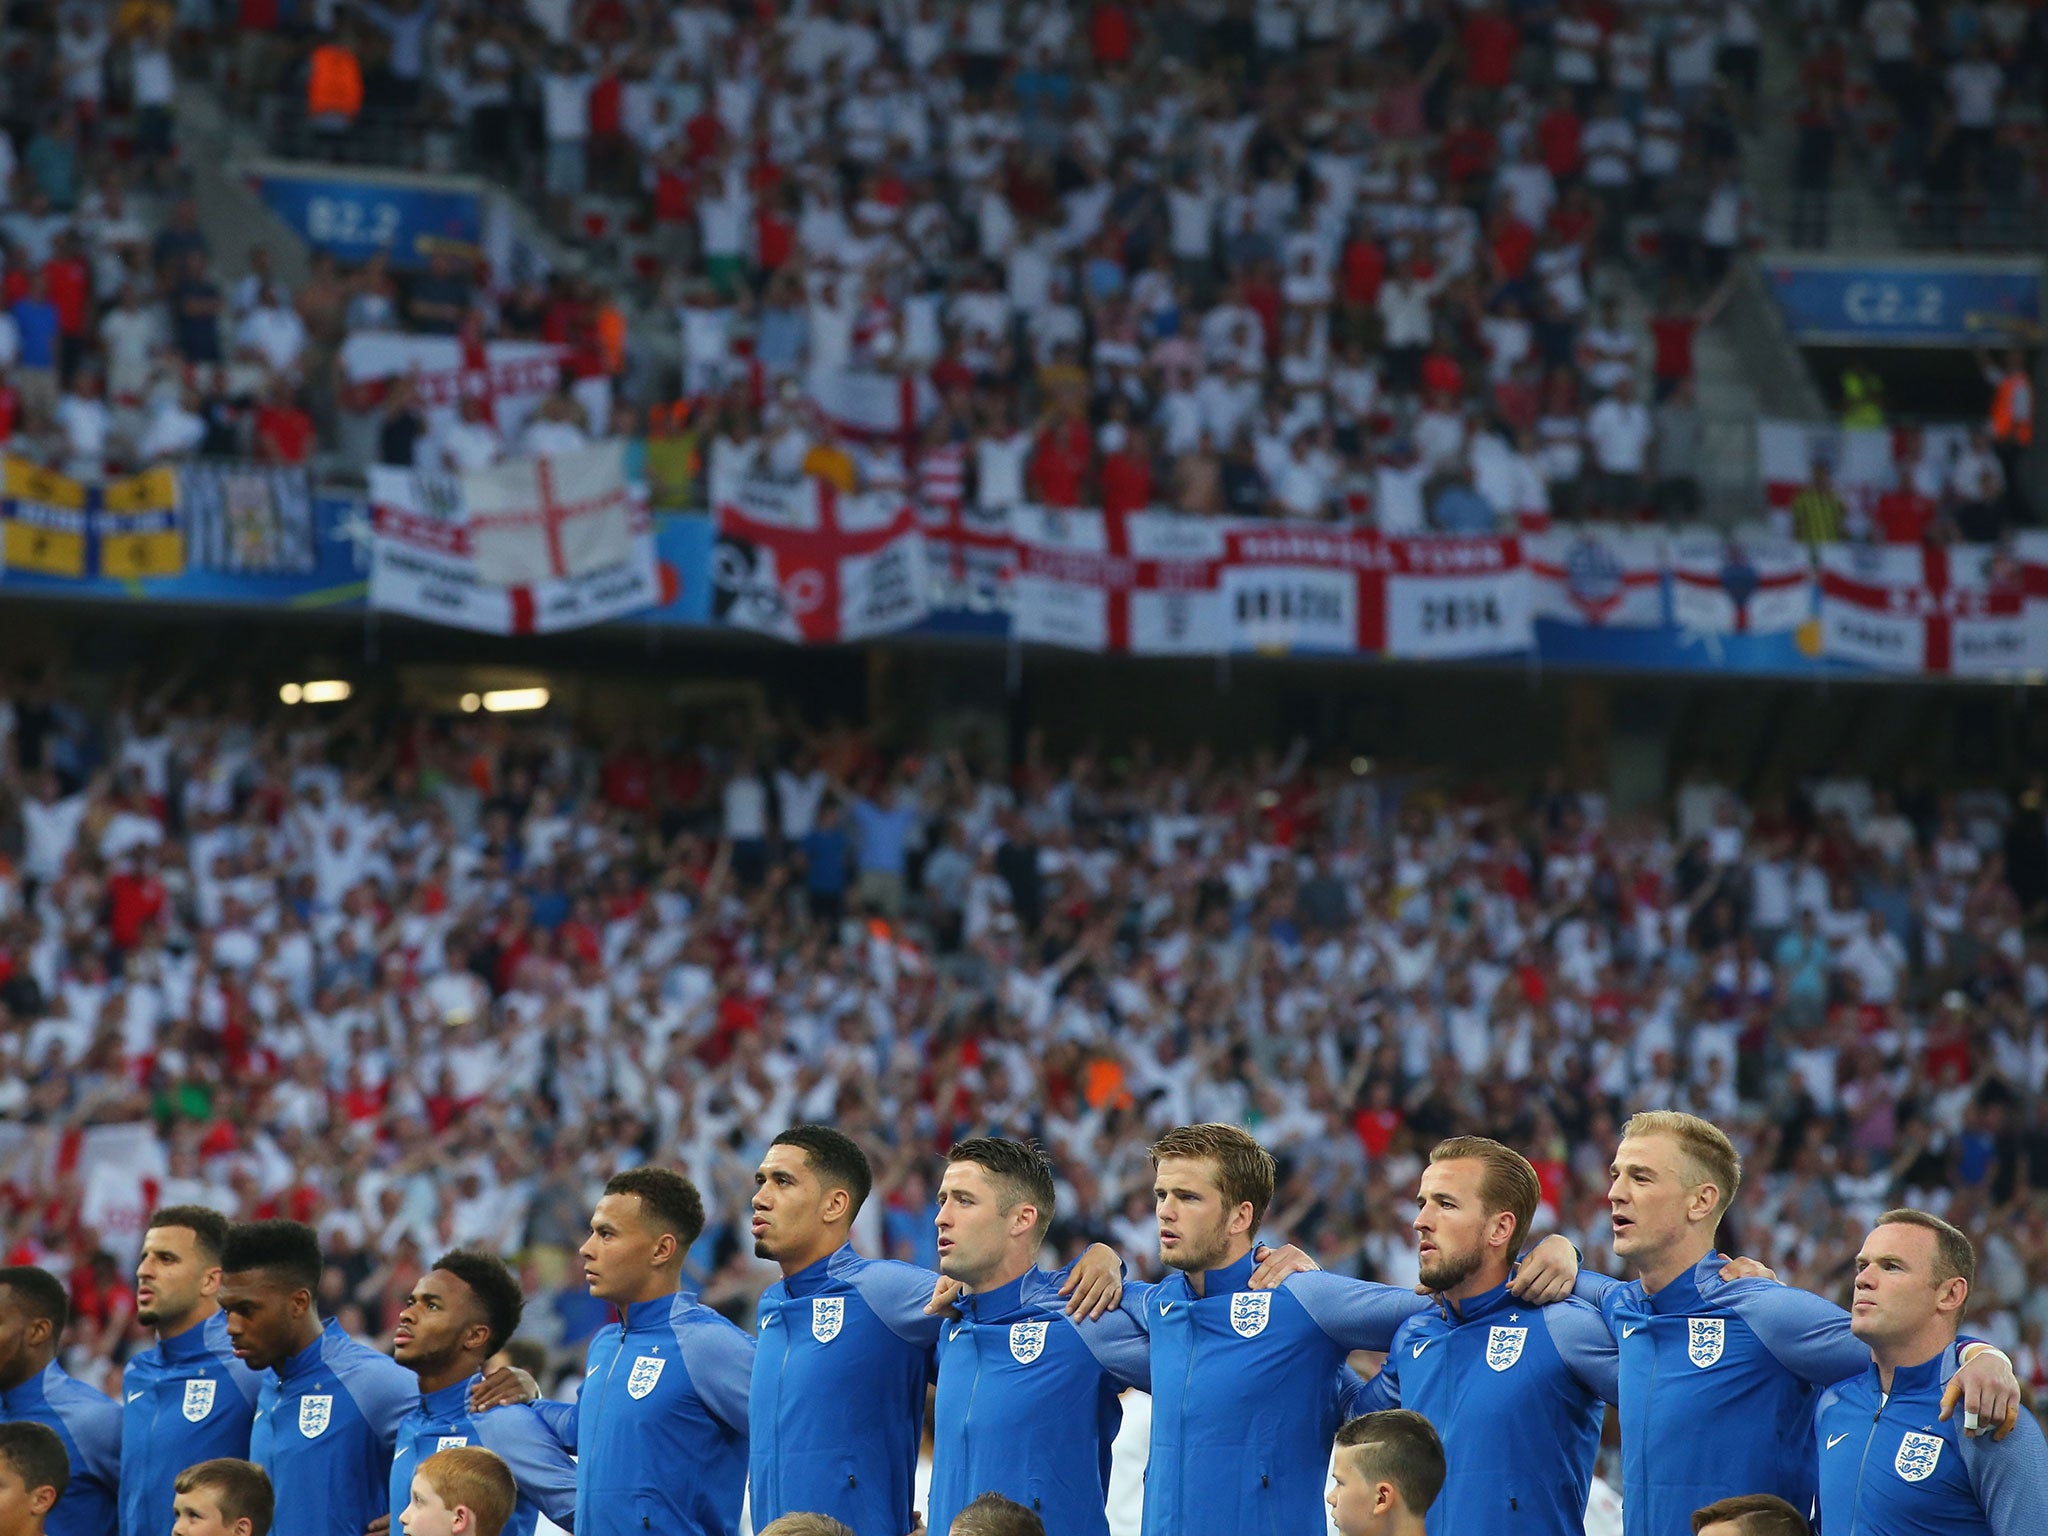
(1729, 1385)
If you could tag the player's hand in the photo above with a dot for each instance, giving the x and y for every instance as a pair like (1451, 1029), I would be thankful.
(1988, 1391)
(917, 1523)
(944, 1294)
(1748, 1269)
(1276, 1264)
(1548, 1273)
(507, 1384)
(1095, 1284)
(381, 1526)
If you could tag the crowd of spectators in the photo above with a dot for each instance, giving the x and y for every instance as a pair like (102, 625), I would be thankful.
(429, 980)
(1437, 264)
(1944, 101)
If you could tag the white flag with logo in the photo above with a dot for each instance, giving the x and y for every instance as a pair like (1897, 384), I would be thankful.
(544, 519)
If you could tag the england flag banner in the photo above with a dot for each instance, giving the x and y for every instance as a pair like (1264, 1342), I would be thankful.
(806, 563)
(423, 564)
(543, 519)
(1862, 462)
(873, 408)
(509, 377)
(1608, 577)
(2030, 549)
(1740, 586)
(1311, 589)
(1900, 608)
(1125, 581)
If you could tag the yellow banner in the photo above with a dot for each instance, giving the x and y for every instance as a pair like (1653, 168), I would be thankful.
(140, 536)
(22, 481)
(45, 537)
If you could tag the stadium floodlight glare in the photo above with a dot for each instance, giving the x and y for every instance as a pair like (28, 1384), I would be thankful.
(330, 690)
(472, 702)
(500, 701)
(1361, 766)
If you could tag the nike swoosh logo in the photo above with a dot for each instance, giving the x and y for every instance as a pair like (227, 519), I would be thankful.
(133, 1395)
(1835, 1440)
(1165, 1307)
(1627, 1332)
(1419, 1349)
(956, 1332)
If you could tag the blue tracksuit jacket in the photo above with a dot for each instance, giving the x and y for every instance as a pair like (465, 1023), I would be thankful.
(439, 1421)
(1889, 1466)
(659, 1429)
(1028, 1402)
(89, 1423)
(839, 1385)
(1718, 1382)
(1517, 1394)
(1244, 1406)
(185, 1399)
(326, 1420)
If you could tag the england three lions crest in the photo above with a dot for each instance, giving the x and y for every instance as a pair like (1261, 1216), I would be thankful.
(646, 1372)
(315, 1414)
(828, 1316)
(199, 1398)
(1918, 1456)
(1027, 1341)
(1504, 1347)
(1250, 1311)
(1705, 1338)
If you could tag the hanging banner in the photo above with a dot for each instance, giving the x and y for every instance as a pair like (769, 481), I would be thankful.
(1740, 586)
(1955, 610)
(423, 564)
(139, 534)
(807, 563)
(1144, 582)
(1609, 577)
(543, 519)
(46, 520)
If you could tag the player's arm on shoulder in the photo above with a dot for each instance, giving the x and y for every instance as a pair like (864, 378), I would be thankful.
(1093, 1283)
(1547, 1272)
(1586, 1345)
(720, 1360)
(1593, 1288)
(384, 1392)
(1987, 1389)
(540, 1463)
(1358, 1314)
(1805, 1333)
(899, 1294)
(505, 1384)
(2010, 1477)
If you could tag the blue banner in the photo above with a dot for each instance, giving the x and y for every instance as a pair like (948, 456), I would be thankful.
(1951, 304)
(355, 218)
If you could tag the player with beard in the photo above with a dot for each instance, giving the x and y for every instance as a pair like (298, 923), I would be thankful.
(659, 1427)
(847, 1343)
(1487, 1358)
(185, 1399)
(1719, 1377)
(1243, 1415)
(328, 1410)
(457, 1315)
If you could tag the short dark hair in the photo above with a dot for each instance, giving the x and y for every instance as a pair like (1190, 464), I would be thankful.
(36, 1455)
(1753, 1514)
(495, 1286)
(288, 1250)
(1398, 1446)
(42, 1294)
(1955, 1256)
(1021, 1170)
(241, 1488)
(994, 1515)
(669, 1198)
(834, 1157)
(210, 1227)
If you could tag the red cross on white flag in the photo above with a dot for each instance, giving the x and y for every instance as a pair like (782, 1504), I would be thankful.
(543, 519)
